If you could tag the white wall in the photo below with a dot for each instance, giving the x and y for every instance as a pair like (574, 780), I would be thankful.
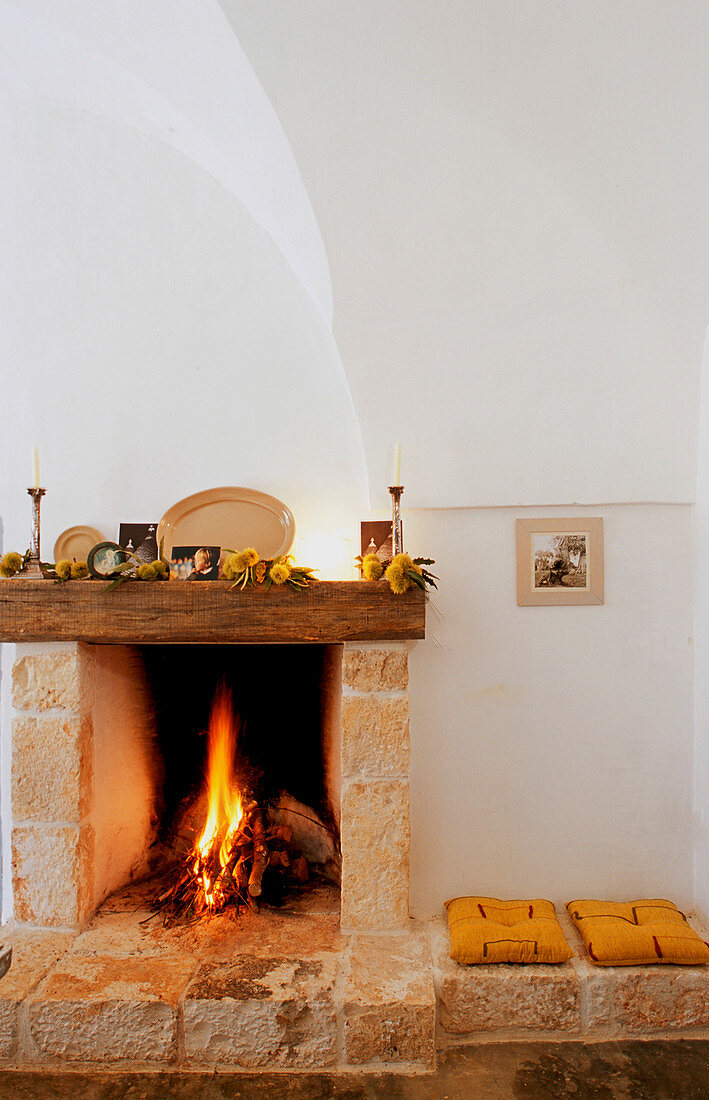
(701, 628)
(511, 201)
(552, 746)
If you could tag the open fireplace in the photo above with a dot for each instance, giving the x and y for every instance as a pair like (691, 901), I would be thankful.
(110, 755)
(115, 703)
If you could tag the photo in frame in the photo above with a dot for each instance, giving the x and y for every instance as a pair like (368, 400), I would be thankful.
(376, 537)
(139, 539)
(194, 563)
(560, 561)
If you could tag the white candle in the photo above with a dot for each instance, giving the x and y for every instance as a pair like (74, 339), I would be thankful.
(397, 463)
(35, 463)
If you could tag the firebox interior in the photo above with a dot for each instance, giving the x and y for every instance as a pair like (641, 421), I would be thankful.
(285, 709)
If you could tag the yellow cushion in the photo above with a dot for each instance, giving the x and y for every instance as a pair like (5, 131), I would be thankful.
(650, 930)
(487, 930)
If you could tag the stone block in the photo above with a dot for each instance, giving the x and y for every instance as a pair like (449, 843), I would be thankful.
(375, 836)
(96, 1009)
(33, 954)
(375, 669)
(51, 768)
(375, 736)
(389, 1002)
(52, 874)
(475, 999)
(271, 1012)
(644, 999)
(47, 680)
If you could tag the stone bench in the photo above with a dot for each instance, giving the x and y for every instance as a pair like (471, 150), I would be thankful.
(569, 1001)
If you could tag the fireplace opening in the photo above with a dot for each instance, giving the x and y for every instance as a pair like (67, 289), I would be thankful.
(280, 708)
(286, 712)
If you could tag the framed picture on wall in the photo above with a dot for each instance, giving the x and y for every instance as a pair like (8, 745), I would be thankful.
(559, 561)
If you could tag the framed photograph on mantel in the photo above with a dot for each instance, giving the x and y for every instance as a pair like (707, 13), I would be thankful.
(559, 561)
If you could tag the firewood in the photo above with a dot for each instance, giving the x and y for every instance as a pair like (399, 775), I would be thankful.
(253, 848)
(260, 856)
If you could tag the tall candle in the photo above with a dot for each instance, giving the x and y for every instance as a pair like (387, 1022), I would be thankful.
(397, 463)
(35, 463)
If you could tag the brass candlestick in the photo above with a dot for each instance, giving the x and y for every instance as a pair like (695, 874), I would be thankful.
(397, 540)
(33, 569)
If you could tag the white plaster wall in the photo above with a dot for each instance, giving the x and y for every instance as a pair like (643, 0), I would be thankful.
(552, 746)
(513, 201)
(701, 629)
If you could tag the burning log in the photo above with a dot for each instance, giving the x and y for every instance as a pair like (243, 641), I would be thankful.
(261, 858)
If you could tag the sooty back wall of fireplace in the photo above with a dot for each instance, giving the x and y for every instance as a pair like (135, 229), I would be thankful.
(281, 697)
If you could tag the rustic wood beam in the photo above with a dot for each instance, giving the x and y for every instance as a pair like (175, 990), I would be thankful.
(176, 611)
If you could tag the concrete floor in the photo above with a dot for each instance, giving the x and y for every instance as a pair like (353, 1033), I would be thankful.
(501, 1071)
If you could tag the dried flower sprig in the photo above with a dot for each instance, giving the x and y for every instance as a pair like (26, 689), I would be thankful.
(405, 572)
(10, 564)
(370, 566)
(401, 573)
(247, 567)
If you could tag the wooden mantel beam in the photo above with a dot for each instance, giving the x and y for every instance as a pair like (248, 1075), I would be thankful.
(176, 611)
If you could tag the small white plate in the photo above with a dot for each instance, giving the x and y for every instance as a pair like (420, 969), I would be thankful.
(231, 517)
(76, 542)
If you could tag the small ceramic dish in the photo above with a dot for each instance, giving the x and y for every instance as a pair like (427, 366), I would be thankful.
(76, 542)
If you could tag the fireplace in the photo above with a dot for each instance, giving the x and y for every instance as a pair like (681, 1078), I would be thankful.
(106, 745)
(104, 724)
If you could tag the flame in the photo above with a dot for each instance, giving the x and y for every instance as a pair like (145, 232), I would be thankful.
(225, 804)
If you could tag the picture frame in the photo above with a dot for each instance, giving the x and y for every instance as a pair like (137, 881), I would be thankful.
(560, 562)
(377, 537)
(139, 539)
(195, 563)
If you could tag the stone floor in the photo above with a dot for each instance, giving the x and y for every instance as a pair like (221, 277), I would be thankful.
(501, 1071)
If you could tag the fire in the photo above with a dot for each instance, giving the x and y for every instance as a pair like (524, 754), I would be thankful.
(225, 801)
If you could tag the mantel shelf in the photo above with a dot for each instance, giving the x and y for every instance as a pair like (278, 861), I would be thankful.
(172, 611)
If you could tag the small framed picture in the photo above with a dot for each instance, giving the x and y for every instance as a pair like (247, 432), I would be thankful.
(559, 561)
(104, 558)
(140, 540)
(377, 538)
(194, 563)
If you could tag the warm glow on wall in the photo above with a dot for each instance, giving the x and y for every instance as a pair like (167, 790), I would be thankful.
(331, 555)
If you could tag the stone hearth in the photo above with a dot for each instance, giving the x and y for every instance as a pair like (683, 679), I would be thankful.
(286, 989)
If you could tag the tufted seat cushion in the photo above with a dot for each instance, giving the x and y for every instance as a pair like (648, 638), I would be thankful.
(651, 930)
(487, 930)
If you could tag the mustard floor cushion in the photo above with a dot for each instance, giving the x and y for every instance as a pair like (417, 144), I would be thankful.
(487, 930)
(651, 930)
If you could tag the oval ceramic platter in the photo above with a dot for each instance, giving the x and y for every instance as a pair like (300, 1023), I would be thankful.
(76, 542)
(231, 517)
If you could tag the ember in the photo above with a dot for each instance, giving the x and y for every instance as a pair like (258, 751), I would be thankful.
(225, 867)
